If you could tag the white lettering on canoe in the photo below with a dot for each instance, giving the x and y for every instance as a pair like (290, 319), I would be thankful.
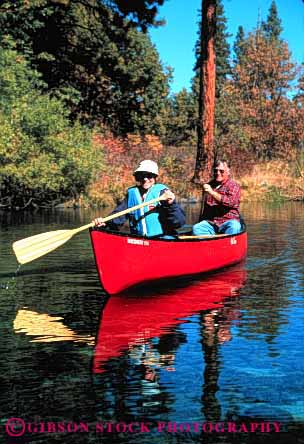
(137, 242)
(233, 241)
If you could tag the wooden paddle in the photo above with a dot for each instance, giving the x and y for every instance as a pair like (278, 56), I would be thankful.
(30, 248)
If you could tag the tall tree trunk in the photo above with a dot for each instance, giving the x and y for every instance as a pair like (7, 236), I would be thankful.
(205, 129)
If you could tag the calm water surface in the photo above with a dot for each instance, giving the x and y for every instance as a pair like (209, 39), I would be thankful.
(209, 360)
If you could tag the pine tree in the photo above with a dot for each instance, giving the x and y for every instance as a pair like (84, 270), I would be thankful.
(181, 119)
(299, 97)
(222, 51)
(95, 56)
(261, 122)
(222, 48)
(239, 45)
(181, 125)
(206, 97)
(272, 28)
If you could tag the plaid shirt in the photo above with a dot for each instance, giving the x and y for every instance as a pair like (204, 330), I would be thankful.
(219, 212)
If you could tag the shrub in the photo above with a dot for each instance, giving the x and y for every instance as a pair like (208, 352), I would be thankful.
(44, 158)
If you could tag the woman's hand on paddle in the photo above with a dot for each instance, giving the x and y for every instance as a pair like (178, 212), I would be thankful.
(168, 196)
(98, 222)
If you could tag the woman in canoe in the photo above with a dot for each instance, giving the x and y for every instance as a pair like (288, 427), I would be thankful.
(160, 219)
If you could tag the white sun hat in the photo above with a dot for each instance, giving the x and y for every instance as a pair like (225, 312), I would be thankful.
(148, 166)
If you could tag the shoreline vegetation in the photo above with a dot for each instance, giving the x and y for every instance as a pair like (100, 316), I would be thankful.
(271, 181)
(79, 110)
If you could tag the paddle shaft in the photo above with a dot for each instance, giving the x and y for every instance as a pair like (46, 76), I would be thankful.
(122, 213)
(202, 206)
(203, 236)
(137, 207)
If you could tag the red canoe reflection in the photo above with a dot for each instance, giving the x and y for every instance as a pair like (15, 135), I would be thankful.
(132, 319)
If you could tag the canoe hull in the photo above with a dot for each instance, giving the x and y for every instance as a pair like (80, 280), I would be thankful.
(124, 261)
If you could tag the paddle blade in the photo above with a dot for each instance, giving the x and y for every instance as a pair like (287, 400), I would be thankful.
(30, 248)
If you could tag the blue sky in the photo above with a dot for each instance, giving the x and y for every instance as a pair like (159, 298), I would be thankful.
(175, 41)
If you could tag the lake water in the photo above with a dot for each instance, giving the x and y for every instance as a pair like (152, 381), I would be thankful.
(214, 360)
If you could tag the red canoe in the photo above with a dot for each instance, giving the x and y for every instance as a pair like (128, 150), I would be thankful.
(128, 321)
(124, 260)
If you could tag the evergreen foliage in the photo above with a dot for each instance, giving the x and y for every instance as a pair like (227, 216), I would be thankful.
(222, 50)
(261, 122)
(89, 61)
(238, 46)
(272, 28)
(92, 55)
(182, 125)
(44, 159)
(181, 118)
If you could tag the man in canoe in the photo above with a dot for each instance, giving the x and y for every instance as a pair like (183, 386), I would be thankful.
(221, 204)
(157, 219)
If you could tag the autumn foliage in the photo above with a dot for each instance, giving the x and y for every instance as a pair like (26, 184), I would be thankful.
(121, 157)
(262, 119)
(259, 127)
(49, 157)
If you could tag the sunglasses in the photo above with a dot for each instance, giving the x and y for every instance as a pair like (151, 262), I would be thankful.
(217, 170)
(142, 176)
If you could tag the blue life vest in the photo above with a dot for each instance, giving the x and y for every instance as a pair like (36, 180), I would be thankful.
(145, 221)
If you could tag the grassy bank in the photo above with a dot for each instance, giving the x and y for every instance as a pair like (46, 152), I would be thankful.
(271, 181)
